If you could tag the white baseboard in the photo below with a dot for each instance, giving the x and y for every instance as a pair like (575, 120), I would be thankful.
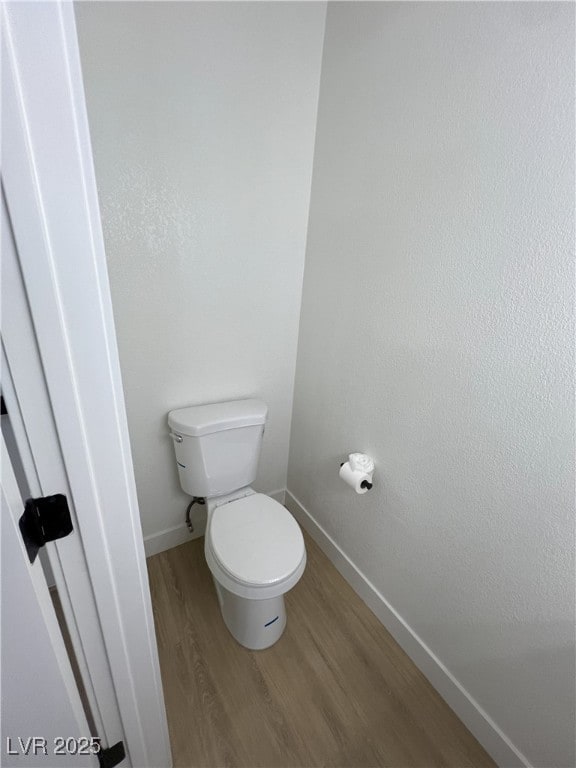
(468, 710)
(168, 538)
(279, 496)
(179, 534)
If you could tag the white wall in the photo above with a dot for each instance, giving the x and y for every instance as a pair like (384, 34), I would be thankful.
(202, 118)
(436, 334)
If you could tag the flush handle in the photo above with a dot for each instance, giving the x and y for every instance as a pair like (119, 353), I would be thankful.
(176, 438)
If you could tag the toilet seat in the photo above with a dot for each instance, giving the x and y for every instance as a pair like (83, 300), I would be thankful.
(254, 547)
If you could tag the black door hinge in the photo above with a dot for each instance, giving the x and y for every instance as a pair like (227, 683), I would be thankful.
(44, 519)
(112, 756)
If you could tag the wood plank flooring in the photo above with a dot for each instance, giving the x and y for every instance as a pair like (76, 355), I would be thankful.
(336, 690)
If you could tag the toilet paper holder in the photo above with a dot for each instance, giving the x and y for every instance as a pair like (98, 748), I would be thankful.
(364, 483)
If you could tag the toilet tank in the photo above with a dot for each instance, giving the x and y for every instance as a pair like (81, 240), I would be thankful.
(217, 445)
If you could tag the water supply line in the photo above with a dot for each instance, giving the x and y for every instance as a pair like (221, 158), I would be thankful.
(195, 500)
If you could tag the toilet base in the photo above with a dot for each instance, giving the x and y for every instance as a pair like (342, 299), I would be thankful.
(255, 624)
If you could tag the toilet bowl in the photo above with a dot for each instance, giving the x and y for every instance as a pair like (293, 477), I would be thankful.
(253, 546)
(255, 551)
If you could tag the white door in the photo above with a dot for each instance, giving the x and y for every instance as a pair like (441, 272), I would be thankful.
(44, 473)
(65, 394)
(42, 719)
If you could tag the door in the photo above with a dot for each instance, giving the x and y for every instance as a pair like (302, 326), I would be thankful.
(61, 381)
(42, 719)
(42, 472)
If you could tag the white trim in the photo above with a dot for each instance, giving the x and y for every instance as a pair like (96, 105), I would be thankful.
(50, 188)
(279, 496)
(169, 538)
(468, 710)
(179, 534)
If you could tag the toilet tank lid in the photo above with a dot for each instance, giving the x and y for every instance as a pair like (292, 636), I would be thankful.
(215, 417)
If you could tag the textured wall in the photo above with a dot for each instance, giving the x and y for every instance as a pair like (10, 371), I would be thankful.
(202, 118)
(436, 334)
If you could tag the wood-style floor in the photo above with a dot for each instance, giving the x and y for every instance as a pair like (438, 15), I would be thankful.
(336, 690)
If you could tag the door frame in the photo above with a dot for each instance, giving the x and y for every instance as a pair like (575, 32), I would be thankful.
(50, 187)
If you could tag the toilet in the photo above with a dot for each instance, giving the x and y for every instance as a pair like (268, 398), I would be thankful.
(253, 546)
